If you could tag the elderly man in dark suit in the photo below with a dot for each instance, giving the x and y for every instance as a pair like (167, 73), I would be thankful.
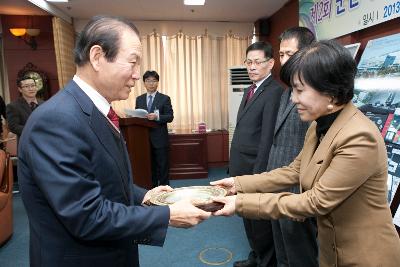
(252, 141)
(160, 111)
(19, 111)
(295, 242)
(75, 176)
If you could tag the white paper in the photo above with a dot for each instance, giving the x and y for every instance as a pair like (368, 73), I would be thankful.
(139, 113)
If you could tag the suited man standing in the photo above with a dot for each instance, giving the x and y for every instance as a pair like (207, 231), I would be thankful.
(295, 242)
(160, 111)
(75, 175)
(19, 110)
(252, 141)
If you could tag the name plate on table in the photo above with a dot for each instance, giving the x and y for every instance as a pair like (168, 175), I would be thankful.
(201, 197)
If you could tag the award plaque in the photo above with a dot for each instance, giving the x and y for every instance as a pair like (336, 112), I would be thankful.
(200, 196)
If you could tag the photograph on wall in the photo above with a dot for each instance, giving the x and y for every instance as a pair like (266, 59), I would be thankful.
(353, 49)
(377, 83)
(393, 152)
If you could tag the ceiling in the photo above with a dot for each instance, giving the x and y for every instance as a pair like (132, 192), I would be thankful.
(157, 10)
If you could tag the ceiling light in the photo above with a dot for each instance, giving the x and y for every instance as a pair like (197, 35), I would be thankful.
(194, 2)
(61, 1)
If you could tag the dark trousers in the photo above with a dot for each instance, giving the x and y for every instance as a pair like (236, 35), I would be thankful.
(160, 166)
(295, 242)
(259, 234)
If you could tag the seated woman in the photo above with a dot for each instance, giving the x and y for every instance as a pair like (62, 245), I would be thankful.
(342, 168)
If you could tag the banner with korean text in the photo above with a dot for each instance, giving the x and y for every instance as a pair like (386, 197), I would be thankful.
(333, 18)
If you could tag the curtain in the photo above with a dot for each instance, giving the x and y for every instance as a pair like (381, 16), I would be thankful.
(4, 87)
(194, 73)
(64, 42)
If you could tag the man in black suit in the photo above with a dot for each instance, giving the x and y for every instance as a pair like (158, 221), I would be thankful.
(252, 141)
(160, 111)
(19, 111)
(295, 242)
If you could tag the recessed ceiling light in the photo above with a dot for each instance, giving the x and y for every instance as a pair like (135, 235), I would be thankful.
(194, 2)
(61, 1)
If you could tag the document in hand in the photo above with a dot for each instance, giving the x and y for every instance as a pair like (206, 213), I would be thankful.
(139, 113)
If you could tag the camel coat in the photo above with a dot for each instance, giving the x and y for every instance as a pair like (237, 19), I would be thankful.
(343, 184)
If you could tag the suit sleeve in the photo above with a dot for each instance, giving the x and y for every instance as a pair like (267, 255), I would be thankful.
(166, 113)
(348, 170)
(59, 159)
(14, 120)
(270, 114)
(138, 194)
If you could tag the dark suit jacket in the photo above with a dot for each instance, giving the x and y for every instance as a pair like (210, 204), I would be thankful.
(289, 134)
(254, 130)
(158, 135)
(18, 113)
(76, 184)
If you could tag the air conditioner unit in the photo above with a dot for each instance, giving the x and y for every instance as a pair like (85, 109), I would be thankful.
(238, 80)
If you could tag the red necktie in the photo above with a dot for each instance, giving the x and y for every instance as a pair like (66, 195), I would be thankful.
(113, 117)
(250, 93)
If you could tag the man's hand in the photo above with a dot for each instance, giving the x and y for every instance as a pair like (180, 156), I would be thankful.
(184, 215)
(227, 183)
(229, 207)
(156, 190)
(151, 116)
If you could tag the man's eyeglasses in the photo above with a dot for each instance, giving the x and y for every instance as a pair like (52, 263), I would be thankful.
(26, 86)
(257, 63)
(151, 81)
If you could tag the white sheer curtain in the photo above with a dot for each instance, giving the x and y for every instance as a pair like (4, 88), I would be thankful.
(194, 73)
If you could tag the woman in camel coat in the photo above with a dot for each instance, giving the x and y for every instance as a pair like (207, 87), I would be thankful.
(342, 168)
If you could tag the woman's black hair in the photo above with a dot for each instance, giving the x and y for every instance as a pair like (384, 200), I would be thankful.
(326, 66)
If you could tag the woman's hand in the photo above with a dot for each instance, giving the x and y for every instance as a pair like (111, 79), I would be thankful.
(229, 206)
(227, 183)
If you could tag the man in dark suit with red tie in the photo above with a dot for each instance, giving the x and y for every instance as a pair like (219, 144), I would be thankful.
(160, 111)
(252, 142)
(74, 170)
(19, 111)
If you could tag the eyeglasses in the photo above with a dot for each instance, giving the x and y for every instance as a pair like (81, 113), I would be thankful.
(26, 86)
(151, 81)
(257, 63)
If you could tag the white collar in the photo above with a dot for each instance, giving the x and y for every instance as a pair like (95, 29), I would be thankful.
(260, 82)
(152, 94)
(98, 100)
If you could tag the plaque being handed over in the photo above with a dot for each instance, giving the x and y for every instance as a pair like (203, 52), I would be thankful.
(200, 196)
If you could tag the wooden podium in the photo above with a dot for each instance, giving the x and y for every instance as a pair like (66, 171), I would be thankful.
(136, 133)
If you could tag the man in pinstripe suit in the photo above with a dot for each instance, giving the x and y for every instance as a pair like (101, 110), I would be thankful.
(295, 242)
